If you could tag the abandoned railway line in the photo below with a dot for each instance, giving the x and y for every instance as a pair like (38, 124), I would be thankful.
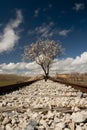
(80, 87)
(43, 106)
(13, 87)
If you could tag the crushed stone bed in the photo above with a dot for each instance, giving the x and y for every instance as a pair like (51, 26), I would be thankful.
(44, 106)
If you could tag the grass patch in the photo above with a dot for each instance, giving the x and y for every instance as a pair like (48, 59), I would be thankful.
(9, 79)
(76, 78)
(6, 83)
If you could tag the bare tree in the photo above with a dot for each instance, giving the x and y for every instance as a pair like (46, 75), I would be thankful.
(43, 52)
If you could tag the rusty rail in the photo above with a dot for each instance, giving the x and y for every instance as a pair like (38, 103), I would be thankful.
(39, 109)
(13, 87)
(82, 88)
(17, 86)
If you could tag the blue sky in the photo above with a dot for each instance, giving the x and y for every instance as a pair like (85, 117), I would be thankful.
(23, 22)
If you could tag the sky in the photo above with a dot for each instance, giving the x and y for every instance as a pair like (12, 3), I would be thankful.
(23, 22)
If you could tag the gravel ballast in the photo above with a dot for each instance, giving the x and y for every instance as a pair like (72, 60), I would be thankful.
(44, 106)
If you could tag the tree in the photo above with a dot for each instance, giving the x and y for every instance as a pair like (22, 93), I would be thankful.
(43, 52)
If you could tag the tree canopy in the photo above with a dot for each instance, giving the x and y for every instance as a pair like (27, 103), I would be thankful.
(43, 52)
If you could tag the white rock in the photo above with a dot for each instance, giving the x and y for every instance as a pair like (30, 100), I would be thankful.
(50, 122)
(67, 129)
(50, 115)
(56, 120)
(8, 127)
(42, 122)
(41, 128)
(4, 103)
(57, 128)
(85, 126)
(34, 115)
(6, 121)
(1, 104)
(13, 121)
(17, 128)
(78, 117)
(42, 94)
(60, 125)
(79, 94)
(67, 118)
(71, 125)
(76, 109)
(79, 128)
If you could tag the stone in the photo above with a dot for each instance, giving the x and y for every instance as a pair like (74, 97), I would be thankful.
(13, 121)
(6, 121)
(72, 125)
(67, 129)
(81, 124)
(61, 125)
(78, 117)
(34, 115)
(1, 117)
(8, 127)
(2, 127)
(50, 115)
(4, 103)
(50, 122)
(85, 126)
(42, 122)
(41, 128)
(43, 95)
(56, 120)
(17, 128)
(57, 128)
(78, 128)
(1, 104)
(76, 109)
(29, 127)
(33, 123)
(14, 98)
(80, 94)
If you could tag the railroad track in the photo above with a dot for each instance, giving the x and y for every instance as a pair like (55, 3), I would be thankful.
(80, 87)
(13, 87)
(16, 86)
(43, 102)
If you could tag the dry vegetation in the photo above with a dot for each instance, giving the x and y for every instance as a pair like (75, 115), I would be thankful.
(7, 79)
(74, 78)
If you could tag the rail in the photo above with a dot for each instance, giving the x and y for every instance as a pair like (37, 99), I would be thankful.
(82, 88)
(17, 86)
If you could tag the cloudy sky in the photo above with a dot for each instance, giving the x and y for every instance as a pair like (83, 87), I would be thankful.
(23, 22)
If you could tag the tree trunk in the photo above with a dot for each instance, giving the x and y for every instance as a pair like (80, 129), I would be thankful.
(46, 71)
(46, 77)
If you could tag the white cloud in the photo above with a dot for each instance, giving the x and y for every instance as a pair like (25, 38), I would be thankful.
(45, 30)
(9, 37)
(20, 68)
(81, 59)
(79, 6)
(68, 65)
(64, 32)
(48, 30)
